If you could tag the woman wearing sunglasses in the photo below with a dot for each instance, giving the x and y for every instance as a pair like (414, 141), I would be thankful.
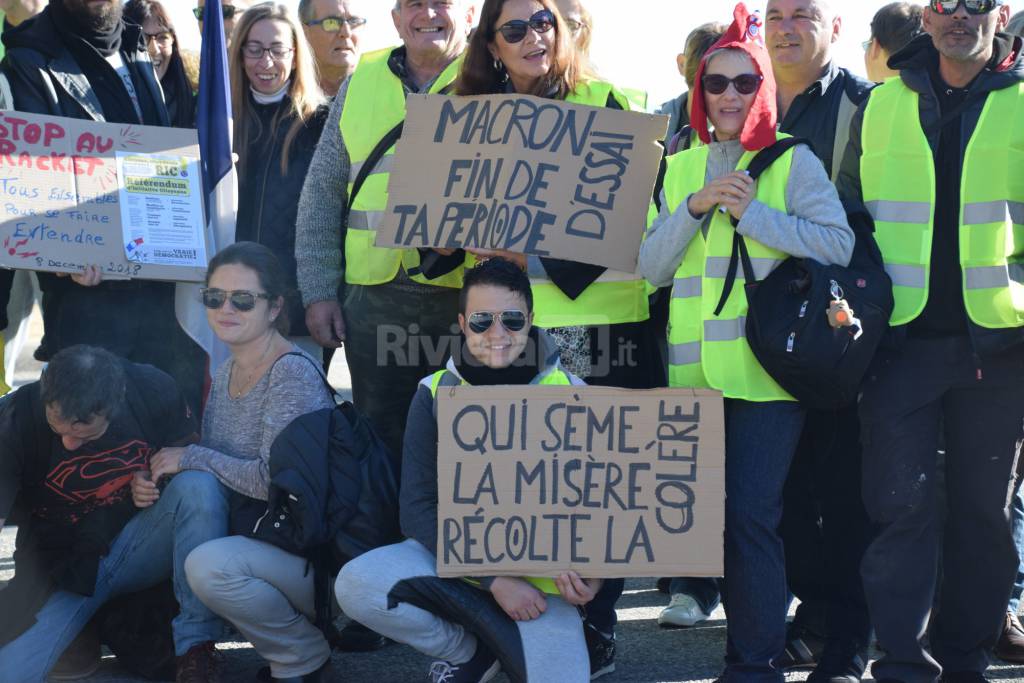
(266, 384)
(279, 114)
(499, 346)
(791, 210)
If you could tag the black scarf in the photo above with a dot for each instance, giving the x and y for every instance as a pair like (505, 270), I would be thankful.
(71, 28)
(522, 371)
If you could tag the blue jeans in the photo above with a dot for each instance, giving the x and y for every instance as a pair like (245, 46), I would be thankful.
(1017, 519)
(192, 509)
(760, 440)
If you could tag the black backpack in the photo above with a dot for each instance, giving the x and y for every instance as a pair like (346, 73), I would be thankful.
(333, 494)
(787, 327)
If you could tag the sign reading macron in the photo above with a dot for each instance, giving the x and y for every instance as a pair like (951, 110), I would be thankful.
(538, 480)
(524, 174)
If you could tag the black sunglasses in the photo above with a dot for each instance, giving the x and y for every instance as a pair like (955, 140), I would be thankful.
(481, 321)
(226, 11)
(515, 30)
(716, 84)
(241, 299)
(972, 6)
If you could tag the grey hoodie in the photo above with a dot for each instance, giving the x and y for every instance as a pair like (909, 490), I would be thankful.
(813, 226)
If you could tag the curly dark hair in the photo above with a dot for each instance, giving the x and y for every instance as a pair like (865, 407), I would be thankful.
(500, 273)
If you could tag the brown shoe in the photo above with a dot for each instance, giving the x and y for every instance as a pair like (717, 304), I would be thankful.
(80, 659)
(1010, 647)
(199, 665)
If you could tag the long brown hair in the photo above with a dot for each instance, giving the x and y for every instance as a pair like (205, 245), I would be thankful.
(303, 91)
(479, 75)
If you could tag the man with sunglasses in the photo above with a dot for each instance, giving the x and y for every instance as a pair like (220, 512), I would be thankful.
(824, 526)
(934, 161)
(79, 59)
(333, 29)
(230, 10)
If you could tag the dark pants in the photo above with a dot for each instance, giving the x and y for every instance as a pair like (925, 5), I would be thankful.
(135, 320)
(395, 336)
(760, 439)
(825, 528)
(908, 397)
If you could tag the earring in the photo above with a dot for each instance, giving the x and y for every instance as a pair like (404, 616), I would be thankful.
(499, 68)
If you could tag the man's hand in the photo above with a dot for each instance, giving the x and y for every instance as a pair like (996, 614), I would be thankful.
(144, 490)
(519, 599)
(167, 461)
(90, 277)
(326, 324)
(577, 591)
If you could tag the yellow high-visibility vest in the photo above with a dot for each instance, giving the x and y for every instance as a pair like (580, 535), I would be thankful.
(374, 104)
(897, 170)
(706, 350)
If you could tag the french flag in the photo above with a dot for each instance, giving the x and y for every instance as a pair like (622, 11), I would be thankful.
(220, 187)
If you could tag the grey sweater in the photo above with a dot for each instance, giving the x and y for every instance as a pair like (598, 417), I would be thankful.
(237, 432)
(814, 225)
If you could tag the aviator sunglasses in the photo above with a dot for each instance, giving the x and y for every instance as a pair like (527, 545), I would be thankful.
(226, 11)
(241, 299)
(481, 321)
(972, 6)
(716, 84)
(515, 30)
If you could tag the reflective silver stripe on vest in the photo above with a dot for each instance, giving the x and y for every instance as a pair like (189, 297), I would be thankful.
(906, 275)
(686, 287)
(993, 212)
(900, 212)
(364, 220)
(725, 330)
(684, 354)
(385, 165)
(718, 266)
(988, 277)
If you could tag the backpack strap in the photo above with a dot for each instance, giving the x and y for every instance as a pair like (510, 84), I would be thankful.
(758, 165)
(319, 370)
(843, 121)
(376, 154)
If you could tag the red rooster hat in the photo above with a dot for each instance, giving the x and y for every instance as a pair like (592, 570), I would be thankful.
(759, 128)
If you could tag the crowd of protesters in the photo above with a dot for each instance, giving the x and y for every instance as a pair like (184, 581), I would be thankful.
(896, 520)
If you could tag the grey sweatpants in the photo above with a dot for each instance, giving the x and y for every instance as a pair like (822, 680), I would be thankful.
(267, 594)
(553, 644)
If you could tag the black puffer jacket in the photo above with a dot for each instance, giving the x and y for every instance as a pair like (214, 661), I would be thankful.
(916, 62)
(269, 199)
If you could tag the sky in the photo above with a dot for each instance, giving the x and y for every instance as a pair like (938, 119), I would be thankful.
(635, 41)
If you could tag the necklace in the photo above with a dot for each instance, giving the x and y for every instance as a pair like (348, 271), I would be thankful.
(251, 374)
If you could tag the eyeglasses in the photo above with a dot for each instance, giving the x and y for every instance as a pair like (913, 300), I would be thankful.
(972, 6)
(514, 31)
(226, 11)
(745, 84)
(256, 51)
(575, 25)
(867, 44)
(161, 38)
(241, 299)
(481, 321)
(334, 24)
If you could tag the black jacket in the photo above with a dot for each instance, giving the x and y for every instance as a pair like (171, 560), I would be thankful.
(45, 78)
(269, 199)
(916, 63)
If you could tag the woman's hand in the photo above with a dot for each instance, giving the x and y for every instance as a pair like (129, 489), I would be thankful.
(519, 599)
(144, 490)
(577, 591)
(734, 191)
(90, 277)
(513, 256)
(166, 461)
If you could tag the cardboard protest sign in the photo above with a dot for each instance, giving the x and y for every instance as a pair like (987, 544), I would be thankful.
(537, 480)
(126, 198)
(523, 174)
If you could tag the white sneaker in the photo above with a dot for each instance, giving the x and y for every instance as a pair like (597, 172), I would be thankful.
(682, 611)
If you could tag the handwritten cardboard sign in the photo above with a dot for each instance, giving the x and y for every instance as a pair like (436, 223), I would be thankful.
(75, 193)
(523, 174)
(534, 481)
